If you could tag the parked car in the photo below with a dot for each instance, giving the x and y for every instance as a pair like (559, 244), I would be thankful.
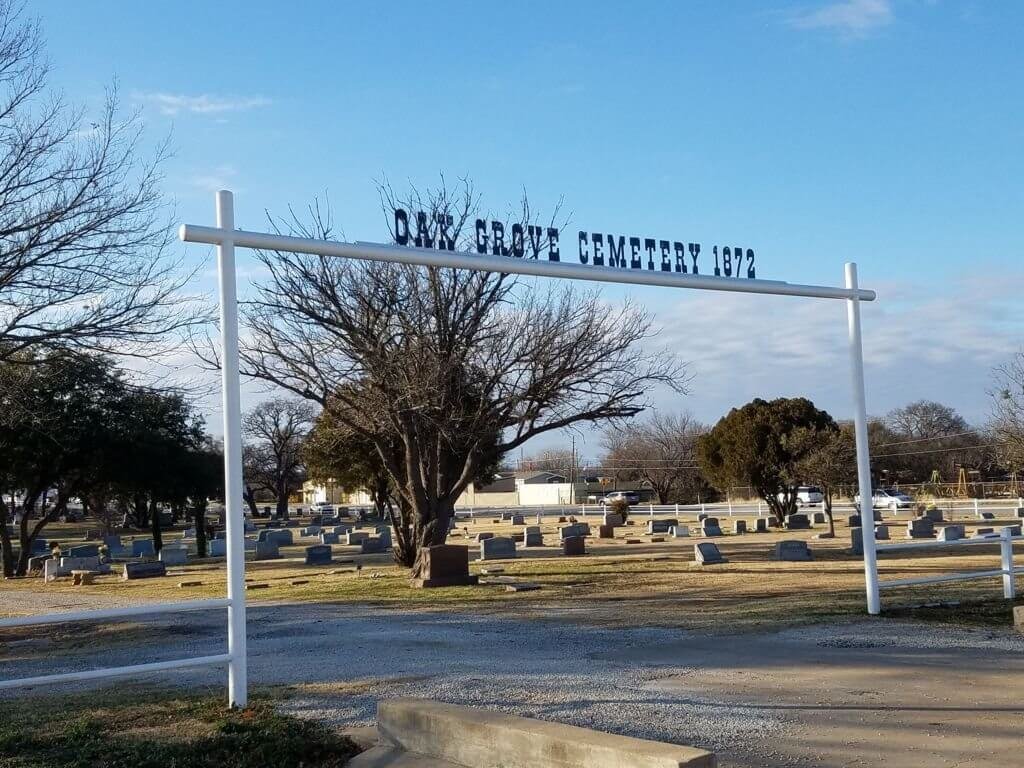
(630, 497)
(807, 495)
(322, 508)
(887, 498)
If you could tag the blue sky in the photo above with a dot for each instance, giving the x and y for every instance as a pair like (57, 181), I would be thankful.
(817, 132)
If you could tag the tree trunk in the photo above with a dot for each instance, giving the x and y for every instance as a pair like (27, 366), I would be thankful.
(432, 531)
(828, 513)
(154, 519)
(282, 502)
(6, 549)
(199, 519)
(250, 499)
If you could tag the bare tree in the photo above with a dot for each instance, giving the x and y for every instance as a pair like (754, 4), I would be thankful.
(277, 430)
(82, 225)
(1008, 412)
(828, 458)
(660, 451)
(931, 437)
(443, 371)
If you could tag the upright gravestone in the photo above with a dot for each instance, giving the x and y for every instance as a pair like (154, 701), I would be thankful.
(1012, 530)
(497, 548)
(709, 527)
(318, 554)
(356, 537)
(174, 555)
(739, 526)
(934, 514)
(797, 522)
(147, 570)
(219, 547)
(793, 551)
(761, 525)
(444, 565)
(951, 533)
(659, 526)
(706, 553)
(484, 535)
(819, 518)
(532, 536)
(679, 531)
(84, 550)
(329, 538)
(614, 519)
(856, 541)
(143, 548)
(921, 528)
(266, 550)
(1020, 512)
(310, 530)
(518, 520)
(605, 531)
(576, 529)
(882, 532)
(374, 545)
(988, 516)
(573, 546)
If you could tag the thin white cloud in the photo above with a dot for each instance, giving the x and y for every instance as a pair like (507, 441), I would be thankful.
(848, 17)
(202, 104)
(217, 178)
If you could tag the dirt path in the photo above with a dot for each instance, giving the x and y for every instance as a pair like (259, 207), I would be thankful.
(865, 693)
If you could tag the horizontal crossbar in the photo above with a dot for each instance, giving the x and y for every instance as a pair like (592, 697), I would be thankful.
(185, 606)
(934, 544)
(100, 674)
(192, 233)
(962, 576)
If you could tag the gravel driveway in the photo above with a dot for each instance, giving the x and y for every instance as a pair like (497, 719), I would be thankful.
(774, 699)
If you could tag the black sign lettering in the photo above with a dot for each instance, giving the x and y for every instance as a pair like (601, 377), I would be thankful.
(596, 248)
(401, 227)
(481, 236)
(616, 253)
(680, 250)
(634, 253)
(598, 239)
(552, 243)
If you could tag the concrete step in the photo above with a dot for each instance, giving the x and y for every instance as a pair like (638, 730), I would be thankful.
(392, 757)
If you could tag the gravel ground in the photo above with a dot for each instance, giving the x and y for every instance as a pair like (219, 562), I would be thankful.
(646, 683)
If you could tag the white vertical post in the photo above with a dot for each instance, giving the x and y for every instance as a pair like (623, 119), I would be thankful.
(977, 513)
(1006, 550)
(234, 522)
(860, 421)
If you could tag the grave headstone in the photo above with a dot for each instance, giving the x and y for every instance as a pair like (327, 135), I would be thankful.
(507, 516)
(853, 521)
(983, 533)
(532, 536)
(702, 517)
(707, 553)
(219, 547)
(793, 551)
(856, 541)
(497, 548)
(606, 532)
(709, 527)
(266, 550)
(761, 525)
(318, 554)
(573, 546)
(143, 548)
(36, 563)
(614, 519)
(484, 535)
(1014, 530)
(797, 522)
(881, 532)
(739, 526)
(146, 570)
(374, 545)
(951, 533)
(1020, 512)
(988, 516)
(934, 514)
(921, 528)
(39, 546)
(84, 550)
(445, 565)
(574, 530)
(310, 530)
(329, 538)
(188, 533)
(174, 555)
(819, 518)
(518, 520)
(680, 531)
(356, 537)
(659, 526)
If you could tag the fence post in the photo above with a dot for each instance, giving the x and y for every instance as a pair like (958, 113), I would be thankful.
(730, 507)
(976, 512)
(1006, 550)
(650, 510)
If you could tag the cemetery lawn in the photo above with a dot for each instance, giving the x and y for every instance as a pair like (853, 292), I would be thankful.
(135, 727)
